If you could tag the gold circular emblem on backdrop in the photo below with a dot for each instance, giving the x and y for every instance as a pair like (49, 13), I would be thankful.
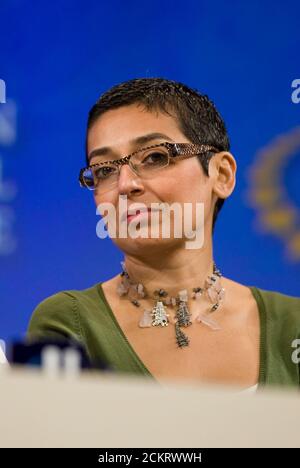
(276, 212)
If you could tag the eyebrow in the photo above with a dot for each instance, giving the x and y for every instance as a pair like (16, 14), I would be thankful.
(141, 140)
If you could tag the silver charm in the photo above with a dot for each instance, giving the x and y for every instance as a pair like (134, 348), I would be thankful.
(183, 315)
(159, 315)
(181, 339)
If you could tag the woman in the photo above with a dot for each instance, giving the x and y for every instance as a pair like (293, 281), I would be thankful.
(170, 313)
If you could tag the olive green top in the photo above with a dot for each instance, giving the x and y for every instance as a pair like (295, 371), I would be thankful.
(86, 316)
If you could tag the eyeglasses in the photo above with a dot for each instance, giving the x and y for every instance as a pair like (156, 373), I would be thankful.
(145, 162)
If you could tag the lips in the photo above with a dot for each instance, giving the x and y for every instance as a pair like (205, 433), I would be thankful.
(137, 213)
(132, 213)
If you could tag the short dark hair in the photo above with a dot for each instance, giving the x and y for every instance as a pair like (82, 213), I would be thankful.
(198, 118)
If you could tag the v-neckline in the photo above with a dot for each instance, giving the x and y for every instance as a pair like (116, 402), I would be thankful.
(262, 339)
(124, 337)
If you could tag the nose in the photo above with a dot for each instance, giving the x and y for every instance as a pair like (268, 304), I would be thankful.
(129, 183)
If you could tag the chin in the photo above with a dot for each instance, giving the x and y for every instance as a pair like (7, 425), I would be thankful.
(144, 246)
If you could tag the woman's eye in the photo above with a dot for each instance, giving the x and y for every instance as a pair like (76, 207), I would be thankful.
(155, 158)
(104, 172)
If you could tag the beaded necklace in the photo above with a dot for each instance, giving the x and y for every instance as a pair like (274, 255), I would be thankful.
(158, 315)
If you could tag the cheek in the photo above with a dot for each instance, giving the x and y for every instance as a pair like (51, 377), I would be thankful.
(98, 199)
(104, 198)
(189, 184)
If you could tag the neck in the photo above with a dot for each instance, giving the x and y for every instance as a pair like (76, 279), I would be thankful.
(184, 269)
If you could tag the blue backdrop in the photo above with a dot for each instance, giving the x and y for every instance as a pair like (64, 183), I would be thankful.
(57, 58)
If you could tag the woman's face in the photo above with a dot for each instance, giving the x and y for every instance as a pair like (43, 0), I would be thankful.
(181, 182)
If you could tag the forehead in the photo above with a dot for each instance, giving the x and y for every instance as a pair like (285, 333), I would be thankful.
(115, 128)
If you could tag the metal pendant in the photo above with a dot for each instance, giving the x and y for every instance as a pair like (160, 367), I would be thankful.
(183, 315)
(159, 315)
(181, 338)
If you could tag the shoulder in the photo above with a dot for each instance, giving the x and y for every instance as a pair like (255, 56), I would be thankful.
(59, 314)
(278, 306)
(277, 298)
(275, 306)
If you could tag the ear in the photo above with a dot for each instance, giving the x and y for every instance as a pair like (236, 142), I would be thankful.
(222, 170)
